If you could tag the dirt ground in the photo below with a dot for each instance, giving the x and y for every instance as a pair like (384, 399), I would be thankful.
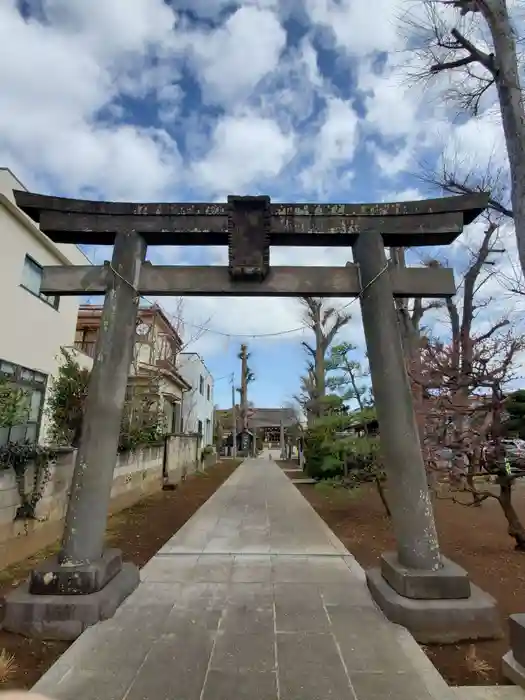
(475, 538)
(139, 532)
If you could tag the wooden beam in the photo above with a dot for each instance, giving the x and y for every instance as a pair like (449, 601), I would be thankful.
(161, 280)
(402, 224)
(401, 231)
(32, 203)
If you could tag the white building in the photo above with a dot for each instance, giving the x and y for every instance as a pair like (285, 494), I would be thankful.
(197, 404)
(34, 326)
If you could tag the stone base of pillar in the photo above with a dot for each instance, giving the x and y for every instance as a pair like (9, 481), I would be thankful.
(512, 670)
(65, 616)
(450, 581)
(514, 660)
(440, 607)
(52, 578)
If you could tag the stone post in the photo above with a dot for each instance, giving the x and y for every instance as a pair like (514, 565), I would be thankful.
(415, 587)
(408, 497)
(86, 583)
(88, 506)
(514, 660)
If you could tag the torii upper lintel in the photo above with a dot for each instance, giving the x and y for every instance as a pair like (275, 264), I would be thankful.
(402, 224)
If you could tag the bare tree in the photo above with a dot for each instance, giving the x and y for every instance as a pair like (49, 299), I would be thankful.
(456, 361)
(410, 314)
(325, 321)
(188, 333)
(479, 61)
(247, 377)
(463, 412)
(461, 384)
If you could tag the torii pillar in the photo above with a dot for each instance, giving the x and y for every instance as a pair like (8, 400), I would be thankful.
(415, 586)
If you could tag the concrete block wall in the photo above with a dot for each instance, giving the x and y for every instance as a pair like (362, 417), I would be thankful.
(22, 538)
(182, 456)
(137, 474)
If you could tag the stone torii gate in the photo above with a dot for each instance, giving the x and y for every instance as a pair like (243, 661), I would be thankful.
(415, 586)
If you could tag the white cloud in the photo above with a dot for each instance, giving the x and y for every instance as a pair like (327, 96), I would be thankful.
(115, 29)
(334, 144)
(246, 148)
(56, 79)
(230, 61)
(357, 27)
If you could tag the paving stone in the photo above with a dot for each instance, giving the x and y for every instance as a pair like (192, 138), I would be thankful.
(246, 619)
(89, 685)
(175, 668)
(347, 595)
(310, 668)
(172, 568)
(154, 593)
(184, 623)
(247, 685)
(252, 568)
(244, 652)
(394, 686)
(213, 569)
(304, 612)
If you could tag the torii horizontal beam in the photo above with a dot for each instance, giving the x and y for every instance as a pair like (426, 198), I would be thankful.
(162, 280)
(402, 224)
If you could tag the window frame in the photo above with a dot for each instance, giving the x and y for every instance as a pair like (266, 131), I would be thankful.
(51, 300)
(208, 392)
(30, 385)
(201, 385)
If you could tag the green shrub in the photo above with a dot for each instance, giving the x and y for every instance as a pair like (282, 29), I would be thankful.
(67, 401)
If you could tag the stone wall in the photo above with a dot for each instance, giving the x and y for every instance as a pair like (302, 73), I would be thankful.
(182, 457)
(137, 475)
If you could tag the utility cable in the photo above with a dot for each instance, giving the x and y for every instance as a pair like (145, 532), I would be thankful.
(251, 335)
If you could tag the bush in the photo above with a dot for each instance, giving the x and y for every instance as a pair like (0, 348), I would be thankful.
(18, 456)
(67, 400)
(323, 460)
(331, 453)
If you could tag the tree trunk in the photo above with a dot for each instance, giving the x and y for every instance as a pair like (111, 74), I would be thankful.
(319, 368)
(75, 440)
(471, 471)
(382, 496)
(511, 105)
(516, 529)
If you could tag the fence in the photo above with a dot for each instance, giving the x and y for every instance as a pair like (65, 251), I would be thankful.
(137, 474)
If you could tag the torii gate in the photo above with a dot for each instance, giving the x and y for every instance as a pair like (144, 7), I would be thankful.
(411, 582)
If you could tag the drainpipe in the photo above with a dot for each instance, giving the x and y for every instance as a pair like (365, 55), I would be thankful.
(183, 392)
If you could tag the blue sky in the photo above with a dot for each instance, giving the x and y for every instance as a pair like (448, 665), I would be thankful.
(304, 100)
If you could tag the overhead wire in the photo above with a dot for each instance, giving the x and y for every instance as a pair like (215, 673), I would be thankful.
(252, 336)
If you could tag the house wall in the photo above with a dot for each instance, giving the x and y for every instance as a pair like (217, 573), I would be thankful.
(197, 406)
(137, 475)
(32, 330)
(148, 349)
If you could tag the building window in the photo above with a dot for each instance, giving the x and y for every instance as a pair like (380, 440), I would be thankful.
(201, 385)
(199, 428)
(32, 281)
(33, 384)
(208, 392)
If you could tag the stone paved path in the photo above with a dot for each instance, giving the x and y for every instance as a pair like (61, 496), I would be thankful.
(254, 598)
